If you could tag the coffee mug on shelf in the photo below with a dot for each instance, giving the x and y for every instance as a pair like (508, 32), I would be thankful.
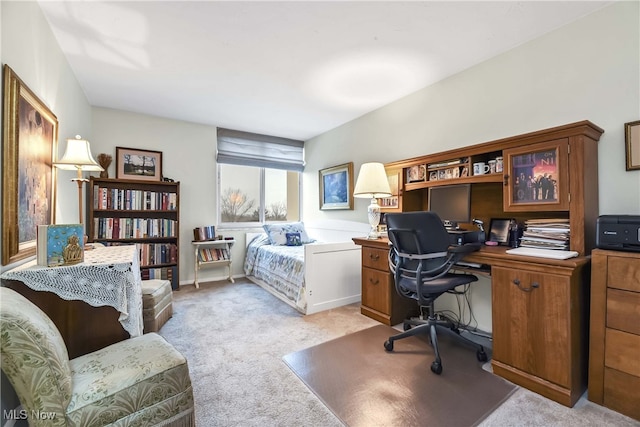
(499, 164)
(480, 168)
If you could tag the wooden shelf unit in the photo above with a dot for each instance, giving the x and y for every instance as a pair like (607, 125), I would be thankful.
(222, 251)
(547, 357)
(149, 211)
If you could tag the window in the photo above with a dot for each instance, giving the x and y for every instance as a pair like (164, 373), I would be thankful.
(258, 178)
(251, 195)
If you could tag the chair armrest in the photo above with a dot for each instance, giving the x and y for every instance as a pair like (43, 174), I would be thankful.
(465, 249)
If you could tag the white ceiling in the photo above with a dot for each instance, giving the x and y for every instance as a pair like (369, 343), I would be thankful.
(292, 69)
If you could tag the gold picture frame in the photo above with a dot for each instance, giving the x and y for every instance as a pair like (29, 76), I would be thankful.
(336, 187)
(30, 143)
(632, 145)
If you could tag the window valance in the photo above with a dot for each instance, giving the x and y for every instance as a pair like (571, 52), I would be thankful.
(251, 149)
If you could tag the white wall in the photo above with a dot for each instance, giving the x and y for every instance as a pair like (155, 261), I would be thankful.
(588, 70)
(29, 48)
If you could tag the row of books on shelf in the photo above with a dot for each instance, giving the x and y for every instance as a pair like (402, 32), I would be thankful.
(548, 233)
(133, 228)
(157, 253)
(165, 273)
(122, 199)
(213, 254)
(207, 232)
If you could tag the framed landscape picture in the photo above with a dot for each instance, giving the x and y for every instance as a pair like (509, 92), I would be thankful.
(143, 165)
(336, 187)
(30, 134)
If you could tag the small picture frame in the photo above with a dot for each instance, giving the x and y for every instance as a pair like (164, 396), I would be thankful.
(433, 176)
(417, 173)
(499, 230)
(137, 164)
(632, 145)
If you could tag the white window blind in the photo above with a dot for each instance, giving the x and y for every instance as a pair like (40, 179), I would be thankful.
(251, 149)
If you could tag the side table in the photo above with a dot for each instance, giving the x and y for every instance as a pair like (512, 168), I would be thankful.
(214, 253)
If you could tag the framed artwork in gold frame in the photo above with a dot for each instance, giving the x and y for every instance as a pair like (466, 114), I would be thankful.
(30, 143)
(336, 187)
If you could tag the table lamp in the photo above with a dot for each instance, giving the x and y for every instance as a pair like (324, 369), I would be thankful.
(77, 156)
(372, 183)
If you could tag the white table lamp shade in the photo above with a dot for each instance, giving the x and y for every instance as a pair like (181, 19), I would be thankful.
(372, 182)
(78, 156)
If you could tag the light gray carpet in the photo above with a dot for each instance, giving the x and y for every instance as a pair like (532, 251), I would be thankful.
(235, 335)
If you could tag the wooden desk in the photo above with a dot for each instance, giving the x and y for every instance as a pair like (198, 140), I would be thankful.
(90, 314)
(539, 316)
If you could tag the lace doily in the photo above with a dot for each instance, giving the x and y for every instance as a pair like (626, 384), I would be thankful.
(109, 276)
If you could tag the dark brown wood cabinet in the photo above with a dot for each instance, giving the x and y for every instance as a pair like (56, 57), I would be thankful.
(614, 359)
(380, 301)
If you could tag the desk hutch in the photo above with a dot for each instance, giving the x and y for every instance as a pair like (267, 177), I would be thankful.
(539, 306)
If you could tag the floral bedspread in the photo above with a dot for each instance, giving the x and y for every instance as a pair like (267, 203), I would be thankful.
(281, 267)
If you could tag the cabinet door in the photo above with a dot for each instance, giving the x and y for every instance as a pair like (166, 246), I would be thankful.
(536, 177)
(531, 323)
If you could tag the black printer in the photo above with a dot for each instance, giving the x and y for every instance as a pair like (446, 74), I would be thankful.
(618, 232)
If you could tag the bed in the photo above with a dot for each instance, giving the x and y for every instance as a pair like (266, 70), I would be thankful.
(320, 273)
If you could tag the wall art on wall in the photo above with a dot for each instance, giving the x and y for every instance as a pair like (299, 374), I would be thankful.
(30, 134)
(632, 142)
(336, 187)
(143, 165)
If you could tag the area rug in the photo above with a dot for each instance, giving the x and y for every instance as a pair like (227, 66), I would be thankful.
(363, 385)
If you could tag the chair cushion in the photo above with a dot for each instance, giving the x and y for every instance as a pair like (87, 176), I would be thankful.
(154, 291)
(34, 356)
(142, 379)
(438, 286)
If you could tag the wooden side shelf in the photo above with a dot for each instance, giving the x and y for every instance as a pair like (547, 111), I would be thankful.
(212, 253)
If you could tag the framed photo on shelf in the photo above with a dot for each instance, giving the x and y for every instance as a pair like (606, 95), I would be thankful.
(632, 144)
(137, 164)
(417, 173)
(28, 176)
(433, 176)
(336, 187)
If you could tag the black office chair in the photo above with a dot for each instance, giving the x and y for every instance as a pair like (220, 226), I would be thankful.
(420, 260)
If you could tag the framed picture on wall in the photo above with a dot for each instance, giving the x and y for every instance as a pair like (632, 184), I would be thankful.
(336, 187)
(143, 165)
(30, 134)
(632, 145)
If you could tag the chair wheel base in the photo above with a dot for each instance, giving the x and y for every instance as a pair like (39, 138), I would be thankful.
(481, 355)
(436, 368)
(388, 345)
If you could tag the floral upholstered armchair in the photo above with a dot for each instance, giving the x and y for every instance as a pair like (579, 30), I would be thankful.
(141, 381)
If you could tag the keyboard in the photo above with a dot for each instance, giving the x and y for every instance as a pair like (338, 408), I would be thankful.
(543, 253)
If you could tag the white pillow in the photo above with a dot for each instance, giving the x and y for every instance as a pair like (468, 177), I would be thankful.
(278, 232)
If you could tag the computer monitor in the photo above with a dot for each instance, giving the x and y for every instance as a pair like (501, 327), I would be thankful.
(452, 203)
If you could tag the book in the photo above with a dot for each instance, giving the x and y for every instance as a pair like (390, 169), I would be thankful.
(59, 244)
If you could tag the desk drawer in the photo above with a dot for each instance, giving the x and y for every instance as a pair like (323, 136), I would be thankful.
(622, 392)
(623, 310)
(375, 258)
(375, 290)
(621, 351)
(623, 273)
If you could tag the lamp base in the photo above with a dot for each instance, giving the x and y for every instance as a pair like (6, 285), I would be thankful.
(373, 213)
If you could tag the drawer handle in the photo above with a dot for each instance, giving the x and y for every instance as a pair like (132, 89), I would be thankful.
(374, 257)
(374, 282)
(534, 285)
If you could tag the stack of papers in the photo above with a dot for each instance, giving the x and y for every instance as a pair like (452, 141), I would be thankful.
(550, 233)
